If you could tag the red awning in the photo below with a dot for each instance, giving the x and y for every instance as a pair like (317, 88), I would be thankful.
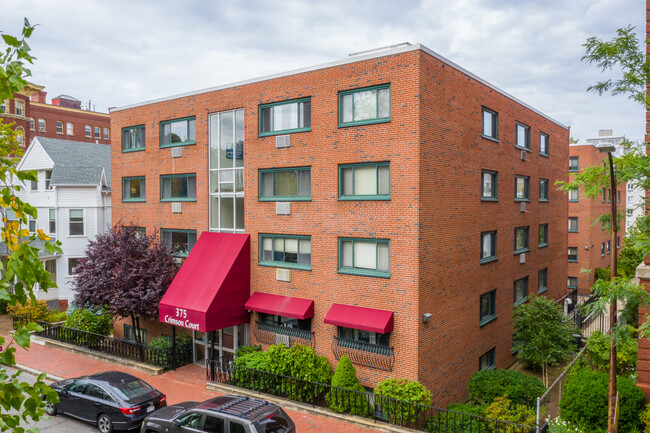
(367, 319)
(212, 286)
(286, 306)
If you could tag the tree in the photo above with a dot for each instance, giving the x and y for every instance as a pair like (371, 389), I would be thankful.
(21, 271)
(543, 334)
(126, 273)
(631, 254)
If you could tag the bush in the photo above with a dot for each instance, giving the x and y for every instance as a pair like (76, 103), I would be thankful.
(403, 390)
(504, 409)
(627, 347)
(486, 385)
(85, 320)
(243, 350)
(456, 421)
(30, 312)
(585, 397)
(645, 419)
(3, 306)
(559, 425)
(54, 316)
(340, 401)
(160, 349)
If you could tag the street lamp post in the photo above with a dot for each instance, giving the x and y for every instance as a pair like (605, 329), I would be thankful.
(609, 148)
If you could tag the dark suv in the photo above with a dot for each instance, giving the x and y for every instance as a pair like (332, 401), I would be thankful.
(225, 414)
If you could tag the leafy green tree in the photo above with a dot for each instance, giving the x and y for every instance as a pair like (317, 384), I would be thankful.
(543, 334)
(631, 254)
(345, 377)
(627, 347)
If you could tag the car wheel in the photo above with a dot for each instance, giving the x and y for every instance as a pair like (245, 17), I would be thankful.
(104, 424)
(50, 409)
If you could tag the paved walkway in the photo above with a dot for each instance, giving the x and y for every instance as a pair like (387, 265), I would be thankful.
(186, 383)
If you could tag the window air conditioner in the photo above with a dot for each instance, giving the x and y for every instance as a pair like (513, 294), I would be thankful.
(282, 208)
(177, 152)
(522, 206)
(282, 339)
(522, 258)
(177, 207)
(282, 141)
(283, 274)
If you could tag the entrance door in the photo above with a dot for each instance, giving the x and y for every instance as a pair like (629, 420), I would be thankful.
(226, 342)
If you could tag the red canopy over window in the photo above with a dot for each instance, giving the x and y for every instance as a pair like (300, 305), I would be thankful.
(367, 319)
(286, 306)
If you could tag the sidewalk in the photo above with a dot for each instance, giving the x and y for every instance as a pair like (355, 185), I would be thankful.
(186, 383)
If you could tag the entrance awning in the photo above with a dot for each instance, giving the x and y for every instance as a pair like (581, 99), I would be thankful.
(212, 286)
(286, 306)
(366, 319)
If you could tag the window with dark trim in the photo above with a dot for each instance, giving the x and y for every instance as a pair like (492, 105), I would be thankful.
(543, 144)
(542, 280)
(488, 185)
(572, 282)
(97, 132)
(129, 335)
(487, 307)
(178, 187)
(285, 184)
(522, 136)
(285, 322)
(364, 106)
(32, 225)
(490, 124)
(520, 292)
(178, 132)
(360, 336)
(89, 132)
(573, 195)
(59, 127)
(602, 249)
(573, 254)
(132, 138)
(369, 257)
(574, 163)
(52, 220)
(486, 361)
(522, 188)
(133, 189)
(543, 235)
(521, 239)
(76, 222)
(72, 263)
(609, 245)
(366, 181)
(285, 117)
(543, 190)
(488, 246)
(180, 241)
(573, 224)
(285, 251)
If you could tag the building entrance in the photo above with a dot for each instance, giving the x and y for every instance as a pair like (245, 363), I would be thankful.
(224, 342)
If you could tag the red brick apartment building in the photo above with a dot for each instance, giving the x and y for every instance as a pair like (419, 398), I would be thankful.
(63, 118)
(589, 241)
(391, 206)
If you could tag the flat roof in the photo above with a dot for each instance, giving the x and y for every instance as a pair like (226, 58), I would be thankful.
(371, 54)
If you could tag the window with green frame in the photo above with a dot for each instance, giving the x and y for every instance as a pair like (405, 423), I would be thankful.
(180, 241)
(133, 188)
(363, 106)
(573, 224)
(52, 221)
(132, 138)
(486, 361)
(543, 235)
(287, 184)
(370, 257)
(178, 132)
(487, 307)
(520, 292)
(129, 334)
(178, 187)
(285, 251)
(365, 181)
(285, 117)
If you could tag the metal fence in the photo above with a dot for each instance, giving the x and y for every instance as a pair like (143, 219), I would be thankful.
(380, 409)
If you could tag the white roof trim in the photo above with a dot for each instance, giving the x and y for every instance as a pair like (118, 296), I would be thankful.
(351, 59)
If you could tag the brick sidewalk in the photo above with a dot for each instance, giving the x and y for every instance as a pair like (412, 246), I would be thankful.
(186, 383)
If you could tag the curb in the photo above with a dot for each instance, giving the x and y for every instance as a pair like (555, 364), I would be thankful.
(34, 372)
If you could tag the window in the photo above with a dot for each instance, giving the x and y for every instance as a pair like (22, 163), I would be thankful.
(286, 251)
(629, 213)
(178, 187)
(133, 188)
(609, 196)
(212, 424)
(48, 179)
(630, 187)
(97, 132)
(543, 235)
(140, 232)
(521, 188)
(179, 132)
(488, 185)
(236, 427)
(180, 241)
(630, 199)
(285, 117)
(542, 280)
(618, 195)
(369, 257)
(604, 194)
(490, 124)
(618, 242)
(285, 322)
(32, 225)
(72, 263)
(602, 249)
(522, 137)
(573, 254)
(59, 127)
(31, 123)
(574, 163)
(89, 131)
(76, 222)
(488, 307)
(573, 224)
(132, 138)
(543, 144)
(364, 181)
(521, 239)
(486, 361)
(50, 266)
(285, 184)
(520, 293)
(359, 335)
(488, 246)
(33, 185)
(129, 334)
(573, 195)
(609, 244)
(41, 125)
(191, 420)
(106, 134)
(20, 108)
(20, 136)
(52, 221)
(572, 282)
(69, 128)
(543, 190)
(363, 106)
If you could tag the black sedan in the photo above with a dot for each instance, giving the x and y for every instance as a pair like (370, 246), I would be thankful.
(111, 400)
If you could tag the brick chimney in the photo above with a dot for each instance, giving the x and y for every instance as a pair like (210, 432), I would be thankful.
(39, 96)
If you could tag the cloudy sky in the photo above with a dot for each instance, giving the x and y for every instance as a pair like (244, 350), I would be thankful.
(119, 52)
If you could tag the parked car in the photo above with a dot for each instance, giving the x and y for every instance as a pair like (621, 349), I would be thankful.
(111, 400)
(225, 414)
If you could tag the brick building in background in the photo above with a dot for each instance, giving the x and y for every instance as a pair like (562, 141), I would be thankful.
(590, 241)
(62, 119)
(391, 206)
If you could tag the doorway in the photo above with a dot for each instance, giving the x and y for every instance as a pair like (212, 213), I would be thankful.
(226, 342)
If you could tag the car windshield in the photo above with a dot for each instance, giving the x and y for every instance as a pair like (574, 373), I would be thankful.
(130, 389)
(274, 423)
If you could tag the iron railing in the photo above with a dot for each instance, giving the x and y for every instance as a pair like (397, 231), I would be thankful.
(361, 353)
(268, 333)
(378, 408)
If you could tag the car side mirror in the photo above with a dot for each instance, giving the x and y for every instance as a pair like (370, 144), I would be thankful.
(177, 422)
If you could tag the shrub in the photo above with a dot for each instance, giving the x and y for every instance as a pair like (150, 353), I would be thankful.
(406, 391)
(645, 419)
(85, 320)
(486, 385)
(559, 425)
(243, 350)
(585, 397)
(504, 409)
(160, 349)
(30, 312)
(54, 316)
(627, 347)
(459, 420)
(3, 306)
(340, 401)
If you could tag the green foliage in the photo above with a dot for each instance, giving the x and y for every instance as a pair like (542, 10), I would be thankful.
(161, 350)
(505, 410)
(403, 390)
(462, 418)
(645, 419)
(602, 273)
(31, 311)
(627, 347)
(486, 385)
(54, 316)
(345, 376)
(585, 397)
(4, 303)
(243, 350)
(86, 320)
(12, 62)
(559, 425)
(468, 408)
(631, 254)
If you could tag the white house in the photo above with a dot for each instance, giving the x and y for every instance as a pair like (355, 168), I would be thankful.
(73, 199)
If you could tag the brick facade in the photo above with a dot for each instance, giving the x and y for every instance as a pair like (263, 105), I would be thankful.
(434, 217)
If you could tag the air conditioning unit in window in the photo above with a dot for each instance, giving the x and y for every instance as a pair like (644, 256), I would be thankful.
(522, 258)
(282, 208)
(522, 206)
(523, 155)
(177, 207)
(283, 275)
(282, 141)
(177, 152)
(282, 339)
